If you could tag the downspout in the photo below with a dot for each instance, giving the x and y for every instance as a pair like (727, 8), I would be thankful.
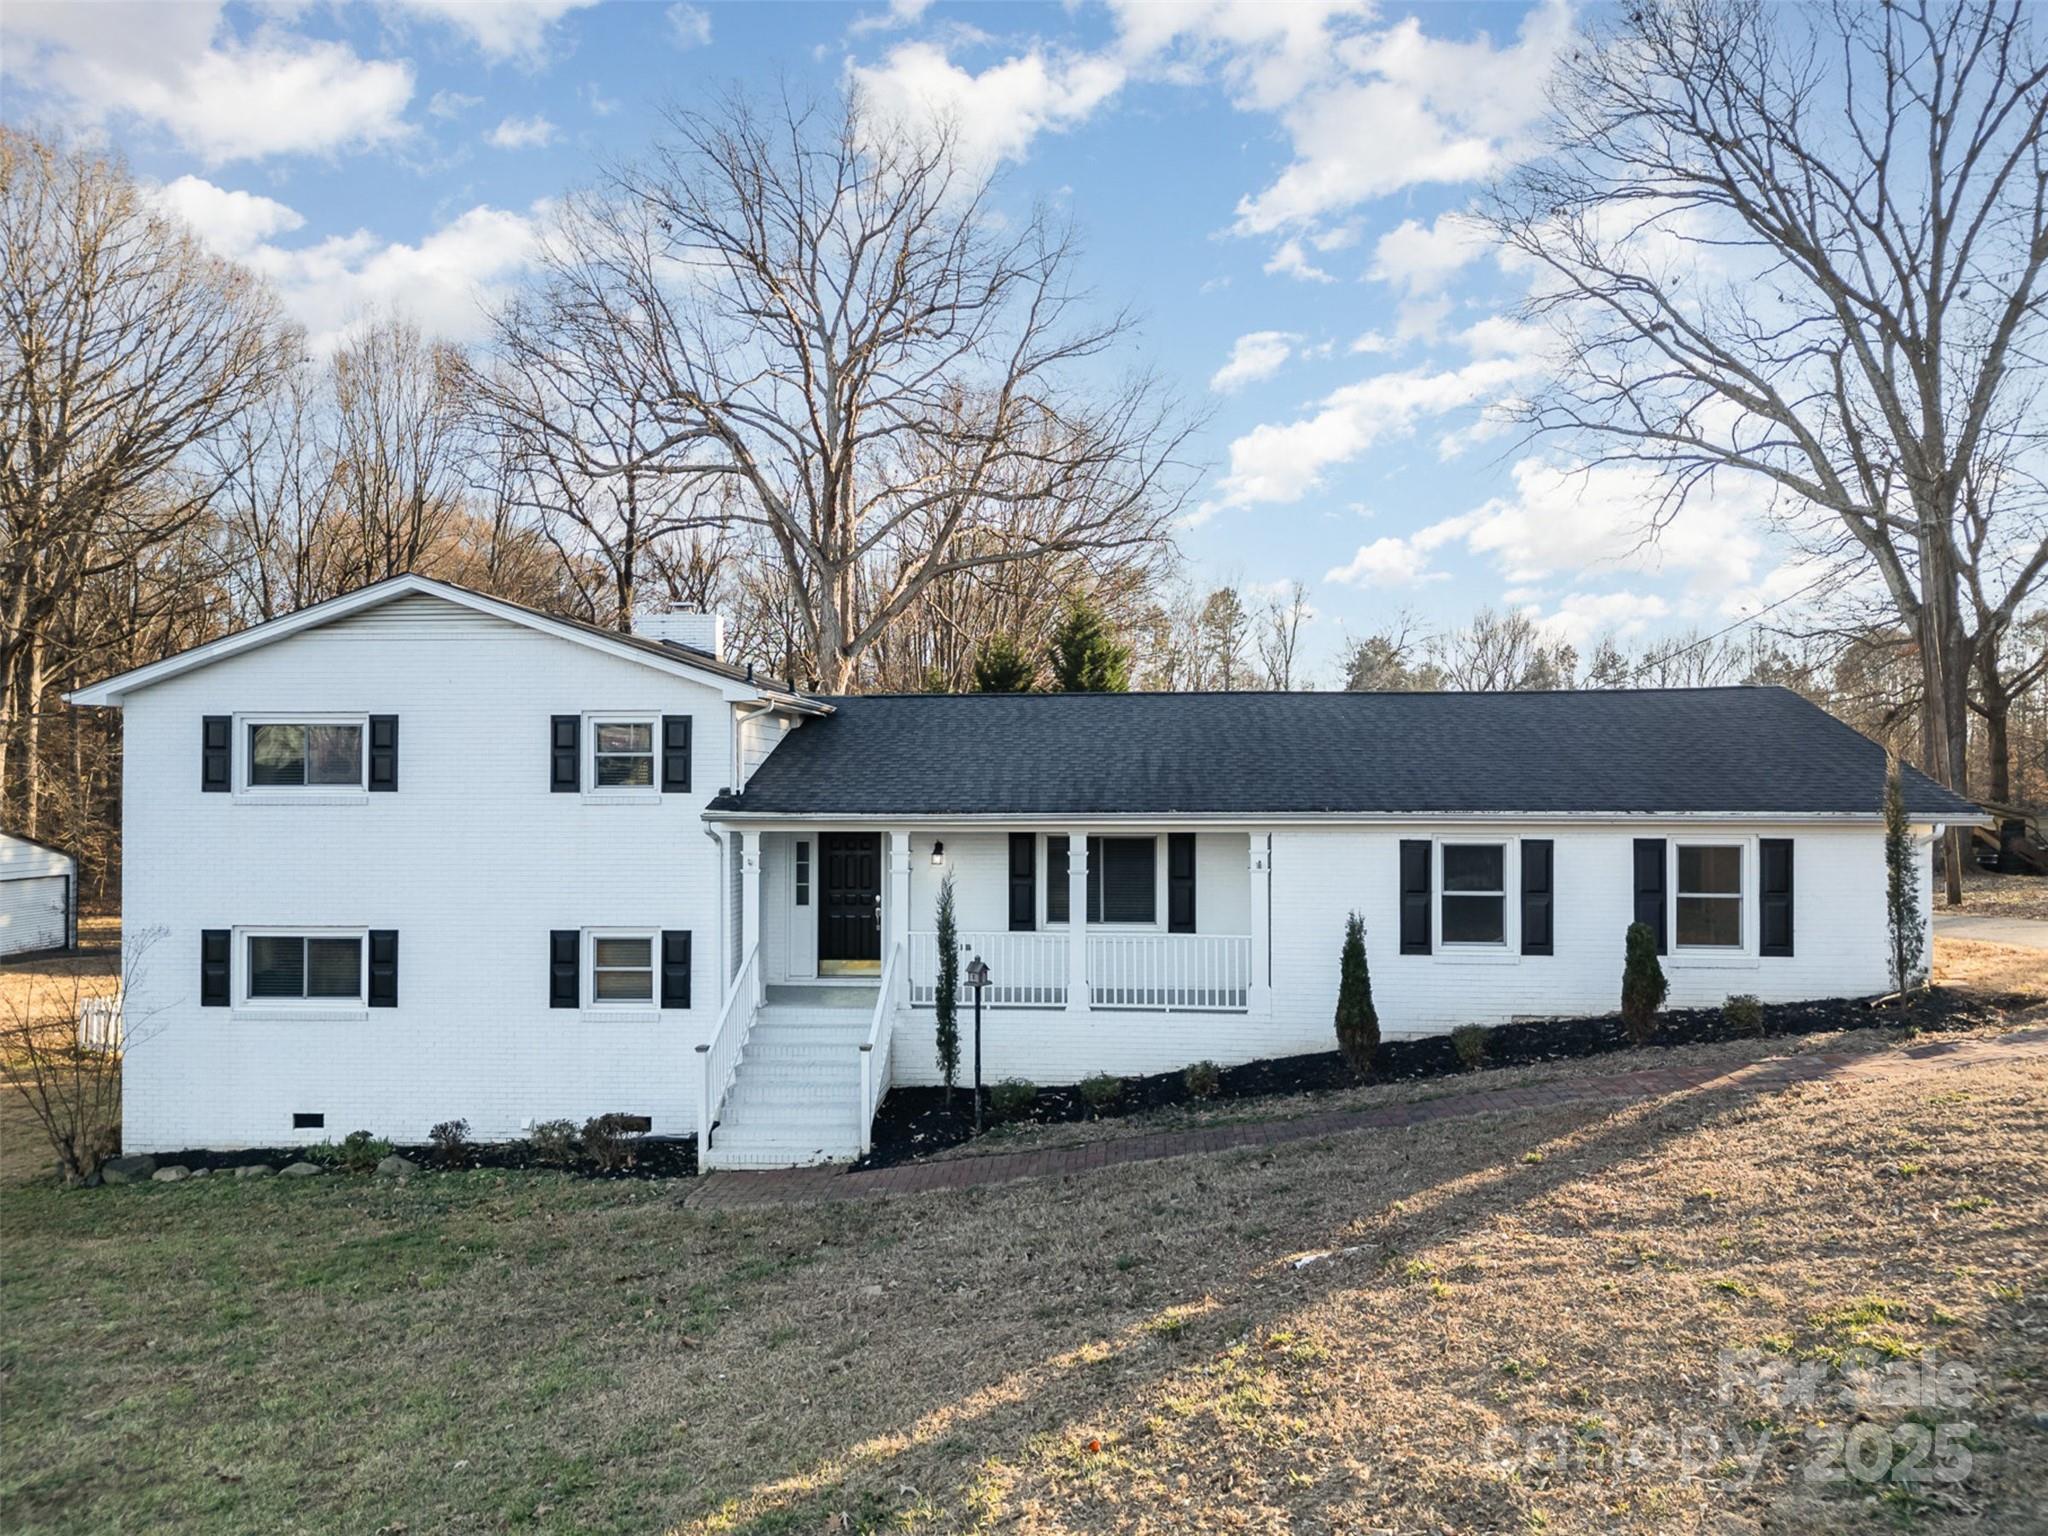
(741, 714)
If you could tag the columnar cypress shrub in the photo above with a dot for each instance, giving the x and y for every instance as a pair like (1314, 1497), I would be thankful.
(949, 987)
(1907, 934)
(1358, 1025)
(1643, 986)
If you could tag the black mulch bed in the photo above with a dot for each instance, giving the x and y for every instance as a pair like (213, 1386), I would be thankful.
(915, 1122)
(654, 1157)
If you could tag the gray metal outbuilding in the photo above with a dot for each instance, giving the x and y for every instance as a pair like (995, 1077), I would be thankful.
(38, 897)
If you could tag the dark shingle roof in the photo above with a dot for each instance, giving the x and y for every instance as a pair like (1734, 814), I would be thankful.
(1731, 750)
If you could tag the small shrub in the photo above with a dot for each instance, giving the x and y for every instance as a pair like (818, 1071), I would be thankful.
(1469, 1041)
(553, 1142)
(1743, 1013)
(1358, 1022)
(1643, 985)
(1012, 1097)
(357, 1152)
(607, 1142)
(1204, 1080)
(1099, 1091)
(451, 1142)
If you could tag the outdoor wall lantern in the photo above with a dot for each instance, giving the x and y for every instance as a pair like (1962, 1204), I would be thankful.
(938, 853)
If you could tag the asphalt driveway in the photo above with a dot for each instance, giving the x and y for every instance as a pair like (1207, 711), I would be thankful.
(1987, 928)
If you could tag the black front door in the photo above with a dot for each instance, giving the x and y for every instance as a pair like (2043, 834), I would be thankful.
(850, 911)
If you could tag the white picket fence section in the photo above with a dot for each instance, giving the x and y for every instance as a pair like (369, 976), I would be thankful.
(1027, 970)
(99, 1024)
(1209, 972)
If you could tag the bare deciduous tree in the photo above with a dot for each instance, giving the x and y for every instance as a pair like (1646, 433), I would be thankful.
(826, 312)
(123, 348)
(1806, 244)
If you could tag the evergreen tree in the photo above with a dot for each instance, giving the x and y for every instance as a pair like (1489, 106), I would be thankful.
(949, 987)
(1001, 666)
(1643, 984)
(1901, 887)
(1358, 1024)
(1086, 657)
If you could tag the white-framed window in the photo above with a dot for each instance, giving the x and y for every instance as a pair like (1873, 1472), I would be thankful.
(293, 754)
(620, 966)
(622, 751)
(318, 967)
(1472, 879)
(1707, 896)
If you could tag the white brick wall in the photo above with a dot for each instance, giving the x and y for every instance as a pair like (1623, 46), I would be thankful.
(1320, 875)
(473, 861)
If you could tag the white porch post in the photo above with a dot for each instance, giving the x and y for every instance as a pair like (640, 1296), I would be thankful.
(1260, 872)
(896, 901)
(1077, 922)
(750, 909)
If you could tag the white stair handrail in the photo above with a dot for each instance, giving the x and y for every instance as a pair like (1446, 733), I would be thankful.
(874, 1051)
(718, 1058)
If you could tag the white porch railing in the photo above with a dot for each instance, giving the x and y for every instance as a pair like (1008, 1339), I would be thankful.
(1029, 969)
(1200, 971)
(719, 1057)
(874, 1051)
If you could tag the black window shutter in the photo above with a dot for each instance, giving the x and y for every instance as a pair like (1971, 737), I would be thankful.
(675, 968)
(213, 967)
(1415, 896)
(383, 751)
(675, 758)
(383, 967)
(1774, 856)
(1057, 870)
(1180, 882)
(217, 755)
(1536, 895)
(1023, 881)
(564, 960)
(1094, 879)
(567, 772)
(1650, 887)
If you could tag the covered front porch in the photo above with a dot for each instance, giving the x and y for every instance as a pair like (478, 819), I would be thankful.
(1119, 918)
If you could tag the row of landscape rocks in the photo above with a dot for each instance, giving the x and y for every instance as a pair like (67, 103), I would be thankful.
(144, 1170)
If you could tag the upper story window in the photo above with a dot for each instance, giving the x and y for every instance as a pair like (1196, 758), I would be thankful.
(305, 754)
(1475, 902)
(294, 967)
(622, 753)
(1709, 894)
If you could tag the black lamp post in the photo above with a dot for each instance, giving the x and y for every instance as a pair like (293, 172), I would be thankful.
(977, 978)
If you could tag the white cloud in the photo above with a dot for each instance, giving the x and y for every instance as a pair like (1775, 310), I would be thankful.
(1580, 618)
(900, 13)
(1257, 355)
(451, 104)
(221, 96)
(689, 26)
(1387, 562)
(522, 133)
(1282, 462)
(997, 113)
(443, 282)
(1290, 260)
(1397, 108)
(1422, 259)
(231, 224)
(501, 29)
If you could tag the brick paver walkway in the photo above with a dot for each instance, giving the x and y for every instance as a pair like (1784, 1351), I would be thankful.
(787, 1185)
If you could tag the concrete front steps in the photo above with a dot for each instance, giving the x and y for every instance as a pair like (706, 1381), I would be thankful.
(795, 1097)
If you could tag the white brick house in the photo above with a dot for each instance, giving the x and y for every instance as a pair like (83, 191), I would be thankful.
(417, 854)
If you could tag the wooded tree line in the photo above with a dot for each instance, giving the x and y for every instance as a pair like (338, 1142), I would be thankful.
(794, 365)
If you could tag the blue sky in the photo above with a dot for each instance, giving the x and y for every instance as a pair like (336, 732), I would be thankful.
(1277, 190)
